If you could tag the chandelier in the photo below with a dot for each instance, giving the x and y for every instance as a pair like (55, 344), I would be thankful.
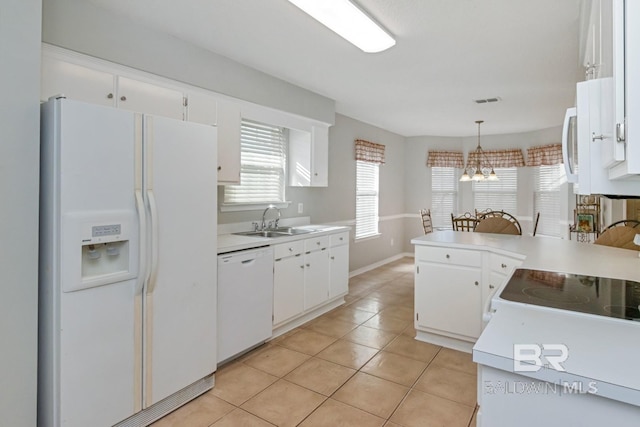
(482, 170)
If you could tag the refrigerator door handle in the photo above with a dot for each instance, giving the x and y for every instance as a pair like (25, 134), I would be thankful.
(153, 210)
(142, 243)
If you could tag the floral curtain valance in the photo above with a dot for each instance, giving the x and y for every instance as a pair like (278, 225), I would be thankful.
(369, 152)
(544, 155)
(499, 158)
(445, 159)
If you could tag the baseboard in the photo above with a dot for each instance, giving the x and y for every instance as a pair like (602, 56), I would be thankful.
(380, 263)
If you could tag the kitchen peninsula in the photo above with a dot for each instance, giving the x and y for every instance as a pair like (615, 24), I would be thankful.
(460, 303)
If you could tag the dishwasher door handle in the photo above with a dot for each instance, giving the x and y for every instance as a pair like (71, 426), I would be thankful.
(247, 262)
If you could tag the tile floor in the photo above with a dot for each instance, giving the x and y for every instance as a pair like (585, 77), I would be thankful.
(357, 365)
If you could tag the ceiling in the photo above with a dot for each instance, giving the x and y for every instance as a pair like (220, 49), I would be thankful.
(447, 54)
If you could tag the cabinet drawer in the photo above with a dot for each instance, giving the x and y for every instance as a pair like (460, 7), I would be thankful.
(316, 243)
(339, 239)
(449, 256)
(288, 249)
(503, 264)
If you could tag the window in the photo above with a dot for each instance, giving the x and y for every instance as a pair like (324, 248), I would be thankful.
(546, 199)
(499, 195)
(366, 199)
(444, 195)
(262, 165)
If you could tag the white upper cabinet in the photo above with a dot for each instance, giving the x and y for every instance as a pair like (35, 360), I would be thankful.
(597, 40)
(309, 157)
(76, 82)
(229, 121)
(626, 103)
(143, 97)
(226, 115)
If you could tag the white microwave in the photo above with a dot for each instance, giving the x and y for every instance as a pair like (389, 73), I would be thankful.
(590, 148)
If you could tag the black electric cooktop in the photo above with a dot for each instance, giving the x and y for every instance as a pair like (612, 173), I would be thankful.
(600, 296)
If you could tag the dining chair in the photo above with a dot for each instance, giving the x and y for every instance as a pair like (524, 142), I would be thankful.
(498, 222)
(535, 225)
(620, 236)
(464, 222)
(425, 214)
(624, 223)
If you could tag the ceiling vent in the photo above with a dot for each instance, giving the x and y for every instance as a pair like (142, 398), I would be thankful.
(487, 100)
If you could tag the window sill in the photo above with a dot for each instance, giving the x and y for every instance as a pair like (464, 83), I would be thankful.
(369, 237)
(238, 207)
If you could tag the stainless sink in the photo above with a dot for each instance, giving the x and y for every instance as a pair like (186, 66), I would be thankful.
(277, 232)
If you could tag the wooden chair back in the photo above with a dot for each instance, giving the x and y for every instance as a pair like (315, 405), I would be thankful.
(624, 223)
(427, 225)
(619, 237)
(498, 222)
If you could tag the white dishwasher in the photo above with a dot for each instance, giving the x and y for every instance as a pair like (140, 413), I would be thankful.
(245, 300)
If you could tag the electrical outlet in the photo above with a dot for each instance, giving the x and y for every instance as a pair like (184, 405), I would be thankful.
(300, 208)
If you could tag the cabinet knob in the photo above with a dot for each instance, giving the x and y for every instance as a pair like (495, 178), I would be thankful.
(123, 98)
(308, 265)
(491, 286)
(476, 283)
(342, 238)
(302, 266)
(333, 257)
(318, 243)
(219, 168)
(110, 96)
(448, 256)
(504, 265)
(290, 249)
(315, 174)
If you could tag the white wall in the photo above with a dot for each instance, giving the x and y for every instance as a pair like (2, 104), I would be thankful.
(19, 167)
(81, 26)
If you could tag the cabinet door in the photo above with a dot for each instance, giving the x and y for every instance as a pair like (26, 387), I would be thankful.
(76, 82)
(202, 108)
(229, 122)
(135, 95)
(319, 156)
(288, 288)
(448, 298)
(339, 270)
(316, 278)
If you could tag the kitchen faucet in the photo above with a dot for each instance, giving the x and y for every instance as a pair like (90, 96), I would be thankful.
(264, 225)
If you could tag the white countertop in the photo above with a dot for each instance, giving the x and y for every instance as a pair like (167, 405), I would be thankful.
(234, 242)
(602, 349)
(545, 253)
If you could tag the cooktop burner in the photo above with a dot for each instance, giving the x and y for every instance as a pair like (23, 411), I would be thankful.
(601, 296)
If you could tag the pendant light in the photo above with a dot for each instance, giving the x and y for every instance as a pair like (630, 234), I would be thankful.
(482, 170)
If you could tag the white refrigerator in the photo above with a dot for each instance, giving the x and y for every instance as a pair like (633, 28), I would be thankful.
(127, 325)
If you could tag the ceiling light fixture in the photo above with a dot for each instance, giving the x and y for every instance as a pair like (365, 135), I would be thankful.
(349, 22)
(483, 170)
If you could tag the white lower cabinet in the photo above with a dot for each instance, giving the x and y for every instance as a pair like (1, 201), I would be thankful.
(453, 288)
(339, 268)
(310, 275)
(316, 271)
(448, 292)
(288, 281)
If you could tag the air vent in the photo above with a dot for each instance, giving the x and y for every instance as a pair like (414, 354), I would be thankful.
(487, 100)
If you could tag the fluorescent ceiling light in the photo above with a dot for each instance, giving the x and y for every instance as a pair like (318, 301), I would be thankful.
(349, 22)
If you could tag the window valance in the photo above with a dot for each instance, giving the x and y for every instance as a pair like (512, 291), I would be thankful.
(507, 158)
(445, 159)
(544, 155)
(370, 152)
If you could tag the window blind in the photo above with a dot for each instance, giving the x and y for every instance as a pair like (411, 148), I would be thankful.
(262, 165)
(497, 195)
(366, 199)
(546, 199)
(444, 195)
